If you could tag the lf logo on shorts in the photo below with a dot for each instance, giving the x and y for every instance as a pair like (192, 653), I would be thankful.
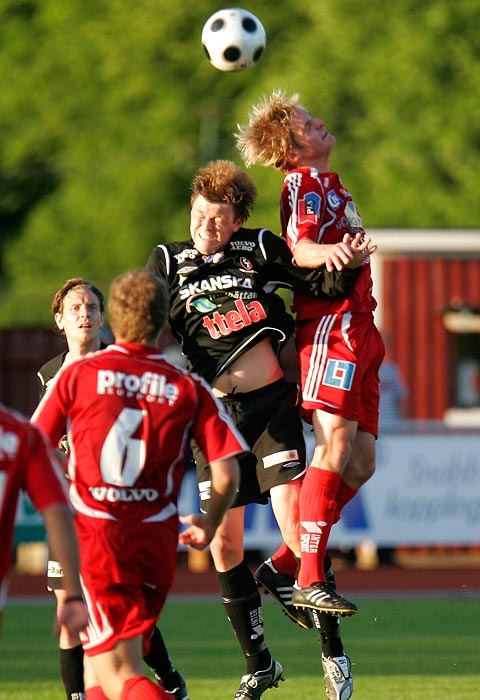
(339, 374)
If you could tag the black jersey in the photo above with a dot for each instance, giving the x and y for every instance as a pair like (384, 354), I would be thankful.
(222, 304)
(48, 371)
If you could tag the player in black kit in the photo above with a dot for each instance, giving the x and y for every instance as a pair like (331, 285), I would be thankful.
(231, 327)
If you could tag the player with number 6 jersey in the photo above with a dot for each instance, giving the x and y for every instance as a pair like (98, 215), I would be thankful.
(130, 417)
(138, 412)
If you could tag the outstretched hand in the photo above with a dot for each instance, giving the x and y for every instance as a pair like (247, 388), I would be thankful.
(199, 534)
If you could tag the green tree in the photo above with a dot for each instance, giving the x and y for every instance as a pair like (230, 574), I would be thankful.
(108, 108)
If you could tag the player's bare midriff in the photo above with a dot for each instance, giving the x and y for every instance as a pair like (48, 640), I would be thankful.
(255, 369)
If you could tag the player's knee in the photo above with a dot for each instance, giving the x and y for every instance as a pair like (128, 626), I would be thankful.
(226, 552)
(338, 456)
(368, 471)
(359, 471)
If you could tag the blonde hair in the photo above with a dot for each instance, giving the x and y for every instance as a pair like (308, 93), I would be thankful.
(267, 139)
(137, 306)
(224, 182)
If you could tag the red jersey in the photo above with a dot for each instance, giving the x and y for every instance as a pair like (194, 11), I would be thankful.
(316, 206)
(130, 416)
(26, 463)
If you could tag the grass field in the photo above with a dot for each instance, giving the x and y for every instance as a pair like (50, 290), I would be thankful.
(412, 649)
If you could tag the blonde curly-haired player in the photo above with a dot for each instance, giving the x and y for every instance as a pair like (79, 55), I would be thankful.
(339, 347)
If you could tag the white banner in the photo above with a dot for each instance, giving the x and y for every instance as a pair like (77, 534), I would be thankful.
(426, 490)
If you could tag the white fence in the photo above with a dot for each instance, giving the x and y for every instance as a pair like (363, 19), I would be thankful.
(426, 490)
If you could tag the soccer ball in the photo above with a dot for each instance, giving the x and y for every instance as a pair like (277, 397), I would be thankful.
(233, 39)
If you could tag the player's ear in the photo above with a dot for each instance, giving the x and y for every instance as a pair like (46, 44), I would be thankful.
(59, 321)
(294, 156)
(238, 223)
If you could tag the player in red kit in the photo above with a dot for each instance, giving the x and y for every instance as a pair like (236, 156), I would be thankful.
(131, 415)
(340, 349)
(27, 463)
(78, 308)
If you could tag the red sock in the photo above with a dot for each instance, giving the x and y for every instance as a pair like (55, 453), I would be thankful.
(95, 693)
(141, 688)
(345, 494)
(285, 561)
(317, 510)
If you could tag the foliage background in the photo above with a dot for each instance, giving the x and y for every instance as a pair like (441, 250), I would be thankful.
(109, 107)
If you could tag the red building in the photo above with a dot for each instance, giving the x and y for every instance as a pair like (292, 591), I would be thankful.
(427, 284)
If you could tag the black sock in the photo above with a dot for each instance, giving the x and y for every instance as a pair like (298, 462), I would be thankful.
(243, 606)
(157, 658)
(328, 625)
(71, 671)
(328, 628)
(328, 570)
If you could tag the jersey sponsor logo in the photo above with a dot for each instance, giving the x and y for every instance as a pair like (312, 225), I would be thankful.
(187, 254)
(201, 304)
(242, 245)
(308, 208)
(151, 386)
(339, 374)
(351, 218)
(243, 315)
(113, 494)
(9, 444)
(352, 213)
(246, 264)
(213, 257)
(187, 269)
(214, 284)
(334, 199)
(184, 272)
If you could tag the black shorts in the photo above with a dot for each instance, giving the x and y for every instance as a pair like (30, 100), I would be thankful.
(269, 420)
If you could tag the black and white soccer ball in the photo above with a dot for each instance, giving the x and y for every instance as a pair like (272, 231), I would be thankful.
(233, 39)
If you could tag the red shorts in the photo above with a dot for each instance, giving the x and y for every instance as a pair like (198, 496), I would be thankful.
(340, 355)
(126, 572)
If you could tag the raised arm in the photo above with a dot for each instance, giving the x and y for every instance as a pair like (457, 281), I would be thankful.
(351, 252)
